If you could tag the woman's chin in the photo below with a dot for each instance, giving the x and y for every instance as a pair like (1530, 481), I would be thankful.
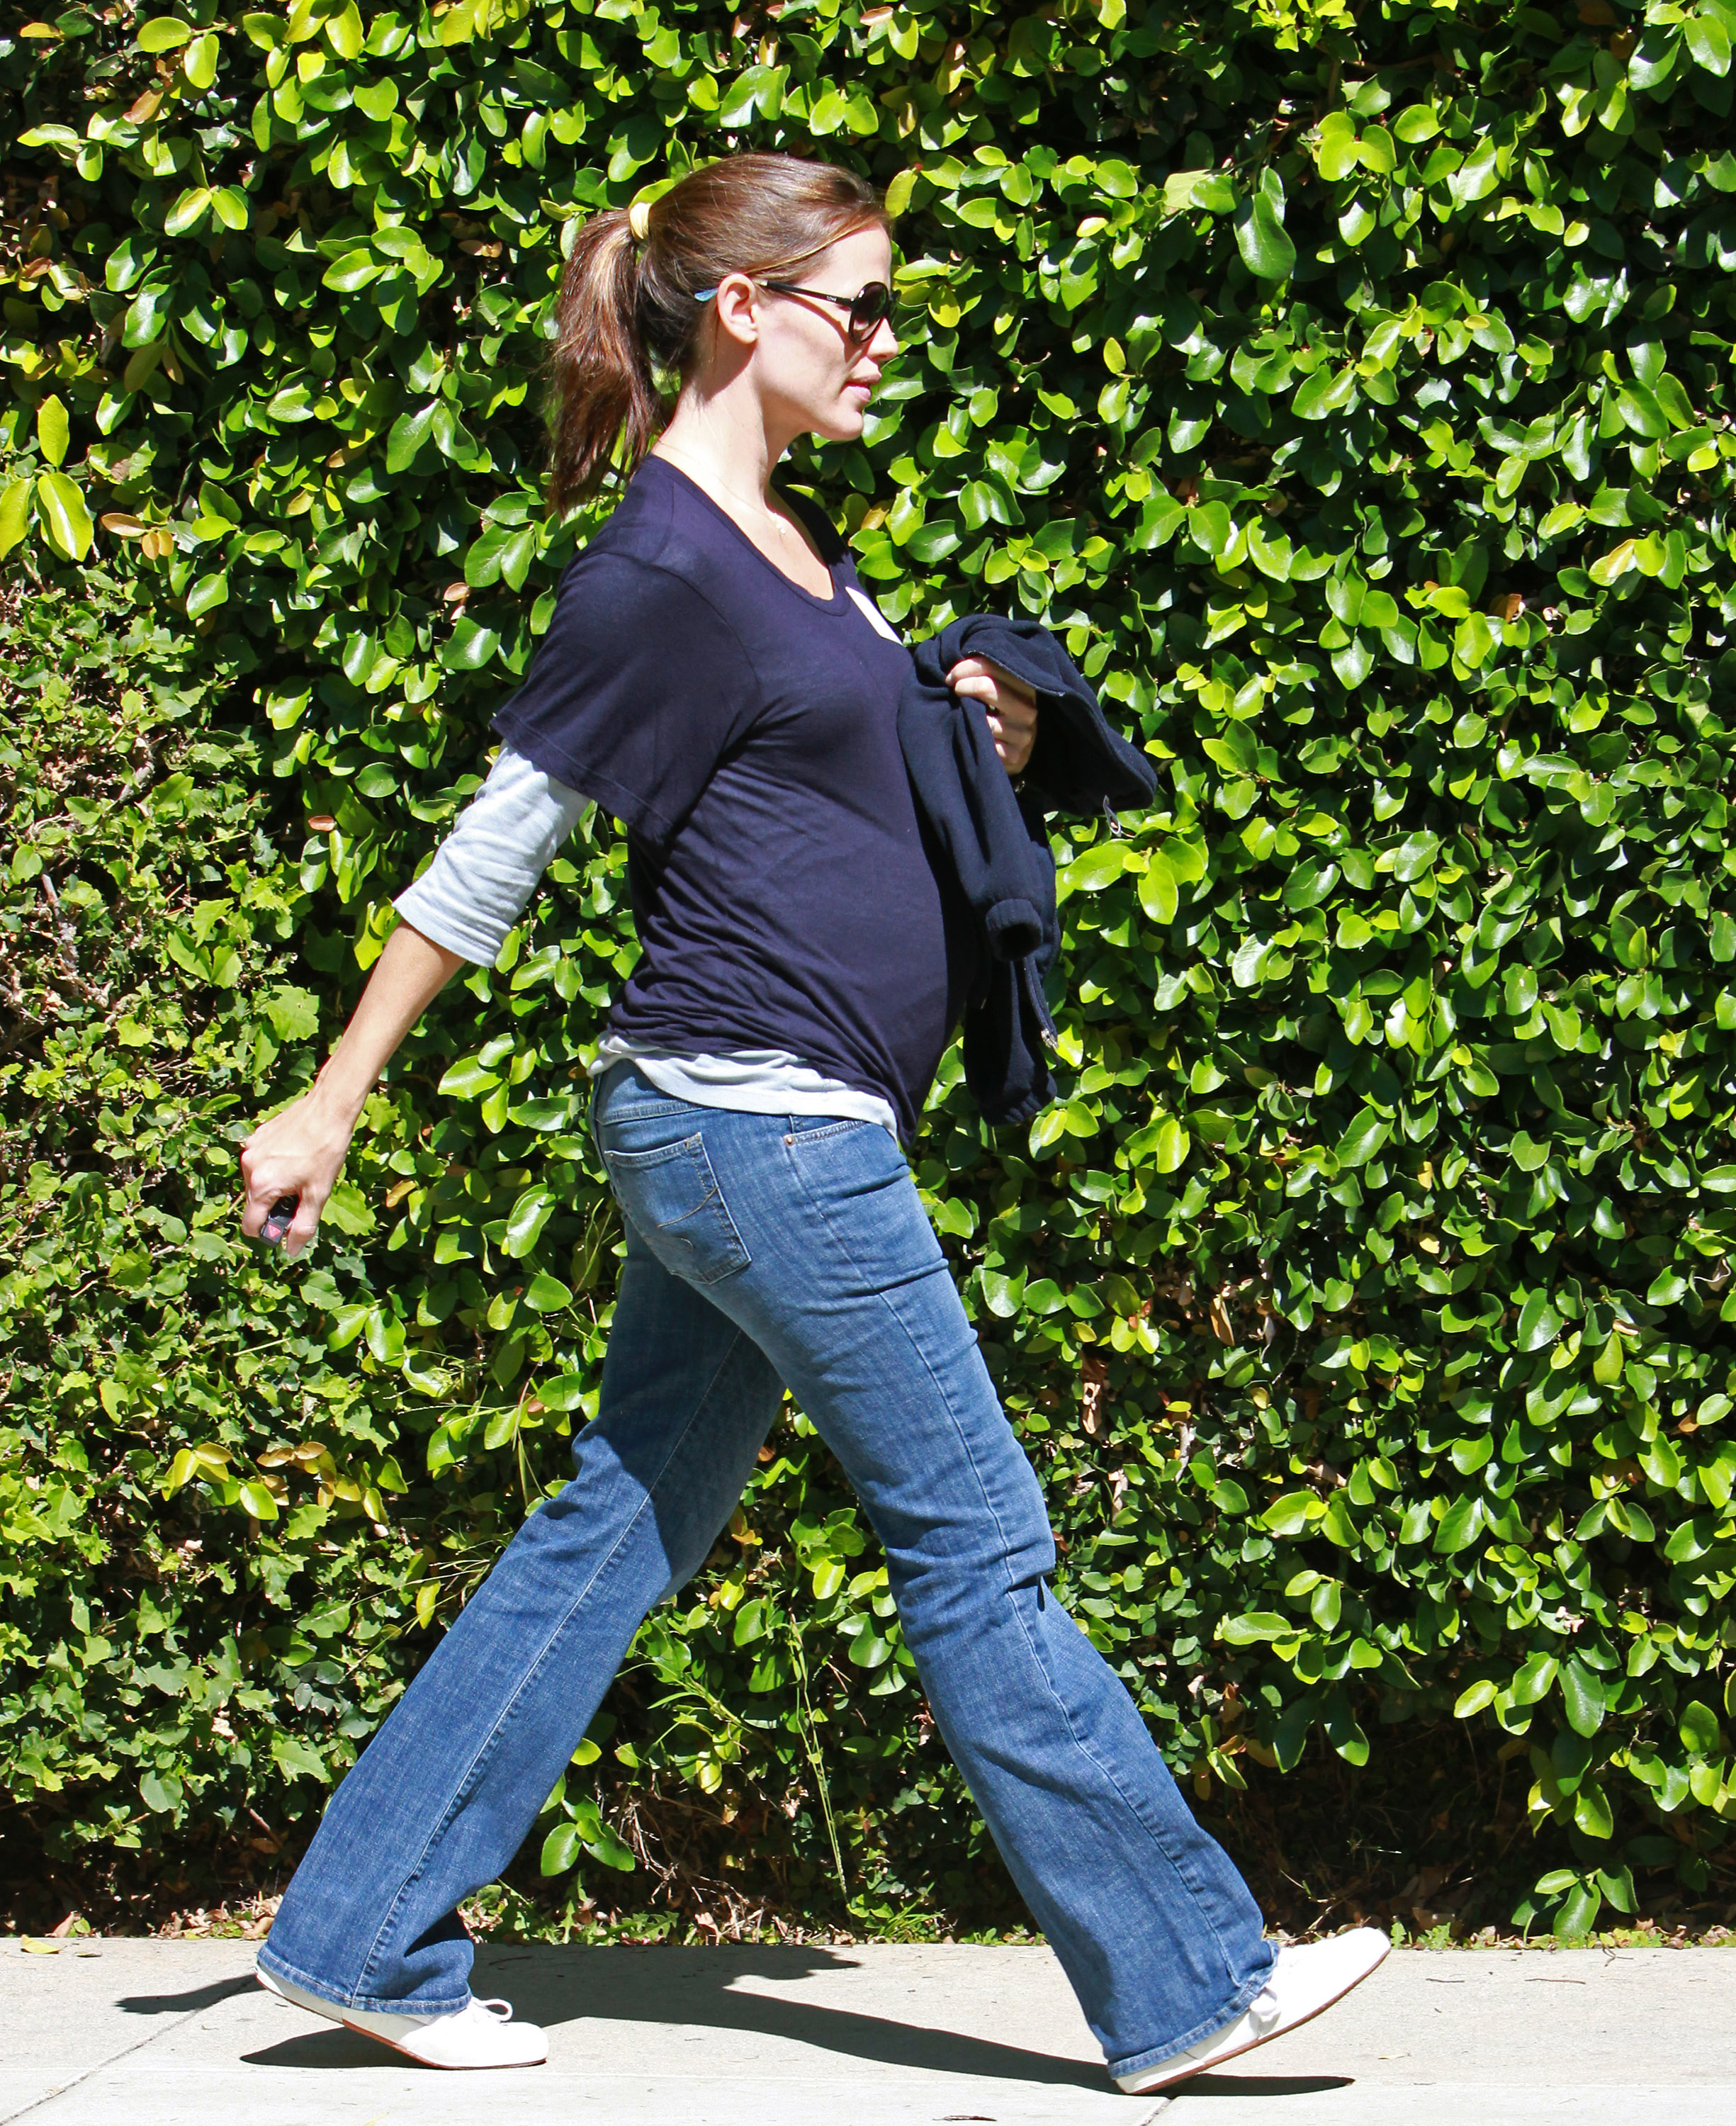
(844, 422)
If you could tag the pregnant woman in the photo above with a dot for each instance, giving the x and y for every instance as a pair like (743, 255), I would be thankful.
(715, 678)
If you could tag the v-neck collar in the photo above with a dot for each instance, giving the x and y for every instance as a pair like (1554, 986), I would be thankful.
(838, 601)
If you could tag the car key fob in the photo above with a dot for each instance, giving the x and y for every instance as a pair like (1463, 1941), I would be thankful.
(279, 1219)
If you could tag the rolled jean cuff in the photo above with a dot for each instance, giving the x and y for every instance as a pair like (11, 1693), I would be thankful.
(1251, 1988)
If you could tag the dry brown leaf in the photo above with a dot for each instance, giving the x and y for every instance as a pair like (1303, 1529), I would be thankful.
(1093, 1374)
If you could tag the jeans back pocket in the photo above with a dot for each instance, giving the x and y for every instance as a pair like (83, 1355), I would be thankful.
(671, 1194)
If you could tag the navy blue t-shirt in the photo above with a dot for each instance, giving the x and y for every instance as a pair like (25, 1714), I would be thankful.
(745, 732)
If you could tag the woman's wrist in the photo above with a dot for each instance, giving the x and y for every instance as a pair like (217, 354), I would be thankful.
(338, 1096)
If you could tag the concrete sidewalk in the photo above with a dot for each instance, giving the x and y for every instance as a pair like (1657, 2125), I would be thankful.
(177, 2033)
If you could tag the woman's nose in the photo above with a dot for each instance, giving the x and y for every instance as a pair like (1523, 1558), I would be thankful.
(884, 343)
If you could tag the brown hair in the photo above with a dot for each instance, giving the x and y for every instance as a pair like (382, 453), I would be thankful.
(627, 309)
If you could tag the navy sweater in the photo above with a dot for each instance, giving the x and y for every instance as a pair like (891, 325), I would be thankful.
(994, 836)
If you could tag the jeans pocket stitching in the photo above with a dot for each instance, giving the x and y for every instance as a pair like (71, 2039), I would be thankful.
(800, 1136)
(637, 1162)
(711, 1201)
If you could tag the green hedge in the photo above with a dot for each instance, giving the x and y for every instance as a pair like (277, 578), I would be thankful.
(1353, 395)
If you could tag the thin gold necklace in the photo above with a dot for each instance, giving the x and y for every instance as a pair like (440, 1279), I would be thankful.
(771, 515)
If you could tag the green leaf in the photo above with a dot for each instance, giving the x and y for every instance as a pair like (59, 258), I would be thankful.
(409, 432)
(347, 1210)
(1591, 1811)
(1310, 883)
(1260, 1624)
(1099, 867)
(1367, 1133)
(1709, 41)
(163, 33)
(14, 514)
(1169, 1151)
(1294, 1513)
(294, 1013)
(354, 269)
(1337, 150)
(1539, 1323)
(54, 431)
(208, 592)
(1578, 1912)
(469, 647)
(1266, 251)
(1459, 1527)
(344, 29)
(65, 519)
(161, 1792)
(1324, 393)
(1353, 662)
(188, 211)
(1157, 888)
(198, 60)
(529, 1215)
(1581, 1696)
(547, 1295)
(560, 1849)
(869, 1650)
(468, 1080)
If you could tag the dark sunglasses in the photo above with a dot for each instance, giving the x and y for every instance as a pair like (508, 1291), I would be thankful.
(868, 310)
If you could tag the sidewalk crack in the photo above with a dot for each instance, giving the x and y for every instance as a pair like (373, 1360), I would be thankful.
(138, 2045)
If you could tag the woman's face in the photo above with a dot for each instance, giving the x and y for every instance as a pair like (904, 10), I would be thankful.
(811, 373)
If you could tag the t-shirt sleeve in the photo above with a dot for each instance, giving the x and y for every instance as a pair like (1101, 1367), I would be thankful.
(636, 692)
(486, 868)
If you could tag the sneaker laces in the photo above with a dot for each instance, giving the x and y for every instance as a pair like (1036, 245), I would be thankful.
(501, 2010)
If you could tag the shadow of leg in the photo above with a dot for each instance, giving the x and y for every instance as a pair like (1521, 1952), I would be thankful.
(187, 2004)
(701, 1989)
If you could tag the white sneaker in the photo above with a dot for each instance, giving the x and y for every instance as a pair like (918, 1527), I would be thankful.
(481, 2034)
(1303, 1981)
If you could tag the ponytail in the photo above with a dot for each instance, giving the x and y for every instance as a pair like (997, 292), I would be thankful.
(628, 307)
(604, 386)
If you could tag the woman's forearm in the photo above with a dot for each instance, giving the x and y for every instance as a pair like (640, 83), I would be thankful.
(409, 973)
(299, 1153)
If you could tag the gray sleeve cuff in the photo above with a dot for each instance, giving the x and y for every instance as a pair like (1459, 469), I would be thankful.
(486, 868)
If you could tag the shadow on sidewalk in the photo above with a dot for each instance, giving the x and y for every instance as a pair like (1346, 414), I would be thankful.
(1263, 2085)
(698, 1989)
(188, 2003)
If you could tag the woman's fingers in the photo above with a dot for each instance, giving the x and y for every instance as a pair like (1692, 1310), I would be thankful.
(1012, 708)
(287, 1172)
(281, 1205)
(303, 1227)
(257, 1200)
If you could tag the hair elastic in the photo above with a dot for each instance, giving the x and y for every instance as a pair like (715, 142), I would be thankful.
(638, 220)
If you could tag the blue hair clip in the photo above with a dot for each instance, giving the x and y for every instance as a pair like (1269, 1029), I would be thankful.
(703, 294)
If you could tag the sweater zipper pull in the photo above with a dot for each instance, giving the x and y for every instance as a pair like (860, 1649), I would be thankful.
(1038, 1003)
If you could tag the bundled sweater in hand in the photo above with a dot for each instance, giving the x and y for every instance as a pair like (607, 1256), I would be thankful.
(994, 834)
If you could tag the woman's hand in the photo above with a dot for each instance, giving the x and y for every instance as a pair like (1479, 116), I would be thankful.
(1013, 709)
(299, 1153)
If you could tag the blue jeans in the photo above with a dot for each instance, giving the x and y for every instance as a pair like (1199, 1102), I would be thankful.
(765, 1251)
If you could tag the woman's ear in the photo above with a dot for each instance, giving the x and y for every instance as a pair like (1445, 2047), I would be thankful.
(737, 306)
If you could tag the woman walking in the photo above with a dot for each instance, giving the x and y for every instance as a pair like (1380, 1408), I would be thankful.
(715, 679)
